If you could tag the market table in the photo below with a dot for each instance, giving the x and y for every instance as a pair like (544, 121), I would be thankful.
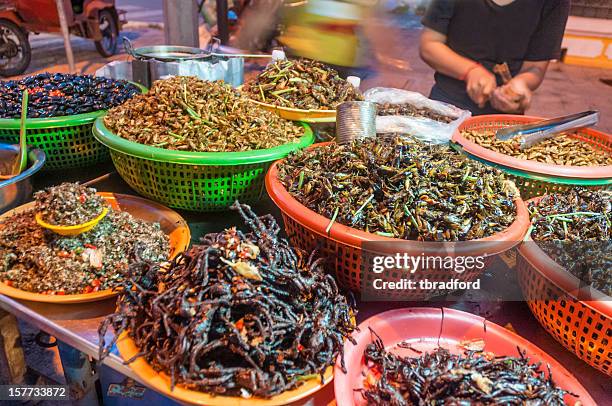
(76, 326)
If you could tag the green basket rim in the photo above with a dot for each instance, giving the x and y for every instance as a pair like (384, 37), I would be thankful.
(60, 121)
(535, 176)
(119, 144)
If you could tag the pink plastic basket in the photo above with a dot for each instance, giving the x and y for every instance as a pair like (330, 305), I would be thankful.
(597, 139)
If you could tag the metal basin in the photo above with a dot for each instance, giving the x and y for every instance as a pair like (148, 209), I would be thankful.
(18, 190)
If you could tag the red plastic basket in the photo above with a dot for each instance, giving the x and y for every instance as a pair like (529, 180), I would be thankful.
(531, 177)
(342, 245)
(583, 326)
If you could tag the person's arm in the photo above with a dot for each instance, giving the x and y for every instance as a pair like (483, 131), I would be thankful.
(480, 83)
(516, 95)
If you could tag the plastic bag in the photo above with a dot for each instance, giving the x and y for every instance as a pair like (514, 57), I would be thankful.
(423, 128)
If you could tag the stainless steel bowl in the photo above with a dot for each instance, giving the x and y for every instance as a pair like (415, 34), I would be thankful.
(16, 191)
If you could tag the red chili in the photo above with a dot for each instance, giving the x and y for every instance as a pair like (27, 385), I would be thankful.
(300, 347)
(82, 198)
(35, 90)
(88, 289)
(96, 283)
(8, 283)
(93, 247)
(63, 254)
(60, 293)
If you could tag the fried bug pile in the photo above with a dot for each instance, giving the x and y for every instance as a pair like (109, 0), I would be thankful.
(575, 229)
(37, 260)
(442, 378)
(407, 109)
(68, 204)
(398, 187)
(241, 314)
(561, 150)
(58, 94)
(302, 84)
(189, 114)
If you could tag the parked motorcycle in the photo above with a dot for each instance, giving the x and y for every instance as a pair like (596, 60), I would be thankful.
(98, 20)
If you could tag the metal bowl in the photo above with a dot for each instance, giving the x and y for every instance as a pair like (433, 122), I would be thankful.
(16, 191)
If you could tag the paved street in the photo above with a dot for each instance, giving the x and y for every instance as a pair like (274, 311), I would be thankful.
(142, 10)
(148, 11)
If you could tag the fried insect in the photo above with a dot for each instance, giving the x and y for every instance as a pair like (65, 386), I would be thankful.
(303, 84)
(241, 314)
(575, 229)
(560, 150)
(407, 109)
(59, 94)
(189, 114)
(442, 378)
(399, 187)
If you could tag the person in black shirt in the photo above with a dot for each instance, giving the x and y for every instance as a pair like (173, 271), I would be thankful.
(463, 40)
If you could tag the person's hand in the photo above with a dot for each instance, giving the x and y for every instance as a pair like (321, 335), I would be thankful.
(513, 97)
(480, 85)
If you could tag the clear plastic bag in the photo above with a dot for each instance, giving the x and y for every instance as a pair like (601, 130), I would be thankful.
(423, 128)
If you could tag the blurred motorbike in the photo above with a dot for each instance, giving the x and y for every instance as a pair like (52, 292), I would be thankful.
(98, 20)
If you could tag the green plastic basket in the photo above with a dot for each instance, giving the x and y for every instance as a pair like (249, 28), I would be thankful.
(67, 141)
(197, 181)
(533, 184)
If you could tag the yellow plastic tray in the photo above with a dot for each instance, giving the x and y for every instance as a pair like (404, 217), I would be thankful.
(307, 116)
(171, 223)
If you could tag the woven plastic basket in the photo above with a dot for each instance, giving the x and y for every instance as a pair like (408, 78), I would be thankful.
(582, 326)
(198, 181)
(342, 245)
(531, 177)
(67, 141)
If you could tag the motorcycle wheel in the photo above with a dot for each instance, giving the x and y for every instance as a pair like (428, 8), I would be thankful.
(17, 45)
(110, 33)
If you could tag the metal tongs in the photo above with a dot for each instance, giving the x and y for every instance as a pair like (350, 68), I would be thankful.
(532, 134)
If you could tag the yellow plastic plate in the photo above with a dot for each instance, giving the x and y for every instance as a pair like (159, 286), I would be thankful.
(161, 383)
(307, 116)
(74, 230)
(170, 221)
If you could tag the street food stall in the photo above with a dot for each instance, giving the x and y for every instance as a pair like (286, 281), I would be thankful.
(196, 243)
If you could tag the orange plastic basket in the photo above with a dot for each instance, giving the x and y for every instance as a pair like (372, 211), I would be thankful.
(342, 245)
(582, 326)
(531, 177)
